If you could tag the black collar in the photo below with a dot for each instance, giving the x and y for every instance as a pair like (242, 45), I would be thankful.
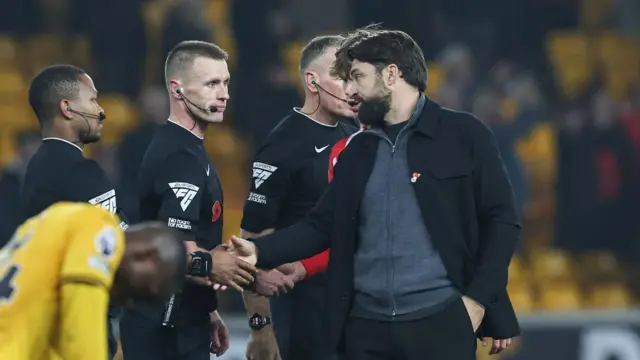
(182, 133)
(429, 119)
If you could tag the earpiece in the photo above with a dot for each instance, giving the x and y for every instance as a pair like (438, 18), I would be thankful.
(179, 90)
(68, 108)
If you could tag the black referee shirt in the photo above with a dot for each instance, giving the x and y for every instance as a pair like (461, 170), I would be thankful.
(180, 187)
(59, 172)
(290, 171)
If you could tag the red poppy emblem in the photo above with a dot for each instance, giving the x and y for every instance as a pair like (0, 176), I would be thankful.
(216, 210)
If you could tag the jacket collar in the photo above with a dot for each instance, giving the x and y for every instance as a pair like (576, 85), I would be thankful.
(429, 120)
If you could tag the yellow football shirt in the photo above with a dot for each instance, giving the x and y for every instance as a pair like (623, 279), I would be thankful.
(55, 276)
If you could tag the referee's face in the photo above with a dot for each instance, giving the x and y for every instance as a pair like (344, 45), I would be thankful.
(207, 87)
(333, 86)
(89, 128)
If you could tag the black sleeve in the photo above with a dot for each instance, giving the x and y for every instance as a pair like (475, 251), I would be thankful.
(499, 226)
(270, 182)
(87, 182)
(179, 185)
(311, 235)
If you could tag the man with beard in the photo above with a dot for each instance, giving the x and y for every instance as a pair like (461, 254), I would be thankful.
(180, 187)
(65, 101)
(289, 176)
(420, 218)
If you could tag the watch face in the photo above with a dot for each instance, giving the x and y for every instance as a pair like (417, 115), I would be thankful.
(257, 322)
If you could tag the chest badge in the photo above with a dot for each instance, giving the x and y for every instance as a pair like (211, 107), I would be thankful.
(216, 211)
(415, 177)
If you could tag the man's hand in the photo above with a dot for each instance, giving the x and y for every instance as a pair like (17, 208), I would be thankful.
(219, 335)
(497, 346)
(231, 270)
(272, 283)
(244, 249)
(262, 345)
(295, 271)
(475, 311)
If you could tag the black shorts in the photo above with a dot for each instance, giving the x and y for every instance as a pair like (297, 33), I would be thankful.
(144, 339)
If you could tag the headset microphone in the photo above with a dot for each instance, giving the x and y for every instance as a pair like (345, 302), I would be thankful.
(210, 109)
(327, 92)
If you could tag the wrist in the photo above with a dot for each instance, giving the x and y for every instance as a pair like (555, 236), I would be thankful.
(299, 271)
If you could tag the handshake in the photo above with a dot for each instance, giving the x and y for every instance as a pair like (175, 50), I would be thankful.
(233, 265)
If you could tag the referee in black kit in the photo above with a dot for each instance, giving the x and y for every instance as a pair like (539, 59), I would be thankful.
(179, 186)
(290, 173)
(65, 102)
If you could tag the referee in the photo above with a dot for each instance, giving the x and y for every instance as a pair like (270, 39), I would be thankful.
(65, 102)
(179, 186)
(289, 176)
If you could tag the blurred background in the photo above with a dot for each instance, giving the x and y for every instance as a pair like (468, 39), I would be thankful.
(558, 81)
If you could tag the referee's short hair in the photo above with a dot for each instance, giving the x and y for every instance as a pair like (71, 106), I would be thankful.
(316, 48)
(182, 56)
(52, 85)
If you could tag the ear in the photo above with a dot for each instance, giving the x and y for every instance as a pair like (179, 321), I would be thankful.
(392, 75)
(174, 85)
(309, 78)
(65, 108)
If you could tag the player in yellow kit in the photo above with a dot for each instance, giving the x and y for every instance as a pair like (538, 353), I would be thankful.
(57, 272)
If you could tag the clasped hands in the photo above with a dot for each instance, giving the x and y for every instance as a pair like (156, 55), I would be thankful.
(233, 265)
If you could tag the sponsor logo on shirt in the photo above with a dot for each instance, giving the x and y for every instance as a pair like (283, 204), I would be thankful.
(216, 211)
(257, 198)
(185, 192)
(261, 172)
(106, 201)
(179, 224)
(105, 243)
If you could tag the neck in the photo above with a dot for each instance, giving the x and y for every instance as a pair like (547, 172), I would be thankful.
(182, 118)
(402, 105)
(53, 131)
(321, 115)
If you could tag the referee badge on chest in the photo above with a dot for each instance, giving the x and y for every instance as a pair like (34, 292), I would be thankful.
(216, 211)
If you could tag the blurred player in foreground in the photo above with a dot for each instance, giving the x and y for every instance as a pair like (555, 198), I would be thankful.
(57, 271)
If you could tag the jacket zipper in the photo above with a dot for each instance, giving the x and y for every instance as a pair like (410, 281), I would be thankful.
(391, 267)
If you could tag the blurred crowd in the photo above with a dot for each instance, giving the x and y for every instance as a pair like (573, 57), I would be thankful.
(572, 156)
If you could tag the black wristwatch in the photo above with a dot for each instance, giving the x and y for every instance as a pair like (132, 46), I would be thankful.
(200, 264)
(257, 321)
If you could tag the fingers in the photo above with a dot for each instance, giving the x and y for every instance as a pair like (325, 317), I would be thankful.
(199, 280)
(224, 341)
(246, 267)
(499, 345)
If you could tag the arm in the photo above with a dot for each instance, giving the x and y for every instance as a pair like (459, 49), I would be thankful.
(306, 238)
(93, 254)
(84, 328)
(499, 226)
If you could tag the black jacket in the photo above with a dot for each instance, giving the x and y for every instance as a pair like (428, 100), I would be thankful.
(466, 202)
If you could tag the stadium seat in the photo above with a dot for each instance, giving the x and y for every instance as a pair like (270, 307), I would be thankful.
(569, 53)
(291, 57)
(538, 151)
(7, 147)
(610, 296)
(121, 116)
(560, 297)
(435, 78)
(219, 15)
(551, 265)
(8, 52)
(13, 88)
(599, 266)
(522, 298)
(619, 57)
(40, 51)
(17, 118)
(517, 272)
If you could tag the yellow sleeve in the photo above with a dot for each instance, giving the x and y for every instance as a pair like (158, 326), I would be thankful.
(83, 322)
(94, 250)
